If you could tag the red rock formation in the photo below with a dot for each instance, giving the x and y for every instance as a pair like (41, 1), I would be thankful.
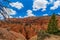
(5, 34)
(27, 26)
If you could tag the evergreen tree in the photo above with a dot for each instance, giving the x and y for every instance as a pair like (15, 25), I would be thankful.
(52, 26)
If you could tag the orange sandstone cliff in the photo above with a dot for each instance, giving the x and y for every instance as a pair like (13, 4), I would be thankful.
(27, 26)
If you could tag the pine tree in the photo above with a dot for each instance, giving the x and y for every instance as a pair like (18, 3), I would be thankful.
(52, 26)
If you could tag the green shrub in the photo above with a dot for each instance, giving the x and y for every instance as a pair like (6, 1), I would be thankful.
(42, 34)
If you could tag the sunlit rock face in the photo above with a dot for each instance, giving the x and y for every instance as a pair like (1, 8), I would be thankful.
(27, 26)
(10, 35)
(51, 37)
(6, 35)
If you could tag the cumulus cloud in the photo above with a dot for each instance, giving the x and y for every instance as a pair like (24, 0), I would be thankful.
(45, 14)
(17, 5)
(58, 13)
(29, 13)
(51, 1)
(40, 4)
(20, 17)
(55, 5)
(11, 17)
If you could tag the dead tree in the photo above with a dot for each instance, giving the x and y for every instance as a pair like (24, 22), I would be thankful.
(3, 11)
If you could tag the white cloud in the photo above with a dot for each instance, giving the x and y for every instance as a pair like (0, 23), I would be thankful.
(40, 4)
(56, 5)
(20, 17)
(11, 17)
(45, 14)
(43, 10)
(51, 1)
(58, 13)
(17, 5)
(29, 13)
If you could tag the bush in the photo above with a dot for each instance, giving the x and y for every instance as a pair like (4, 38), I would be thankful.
(41, 35)
(57, 33)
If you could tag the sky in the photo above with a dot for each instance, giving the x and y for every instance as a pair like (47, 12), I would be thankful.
(28, 8)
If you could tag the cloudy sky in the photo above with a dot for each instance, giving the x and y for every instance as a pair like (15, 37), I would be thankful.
(28, 8)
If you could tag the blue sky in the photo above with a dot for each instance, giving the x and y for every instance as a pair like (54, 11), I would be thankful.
(28, 8)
